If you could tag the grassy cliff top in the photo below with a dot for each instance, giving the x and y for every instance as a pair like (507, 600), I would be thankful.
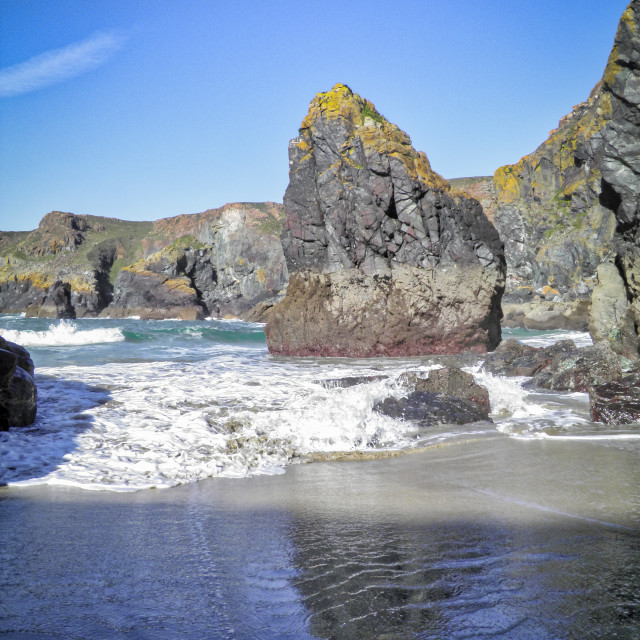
(72, 247)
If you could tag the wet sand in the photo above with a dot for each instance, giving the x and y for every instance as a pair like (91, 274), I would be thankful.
(488, 538)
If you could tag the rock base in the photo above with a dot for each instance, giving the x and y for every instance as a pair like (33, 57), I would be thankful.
(411, 311)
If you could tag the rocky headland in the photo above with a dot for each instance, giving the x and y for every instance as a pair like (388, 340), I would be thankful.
(384, 259)
(225, 262)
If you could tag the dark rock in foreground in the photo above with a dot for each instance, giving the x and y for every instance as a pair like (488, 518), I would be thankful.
(18, 395)
(431, 409)
(616, 402)
(579, 370)
(447, 396)
(451, 381)
(385, 261)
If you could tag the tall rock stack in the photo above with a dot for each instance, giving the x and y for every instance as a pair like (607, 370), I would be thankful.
(384, 260)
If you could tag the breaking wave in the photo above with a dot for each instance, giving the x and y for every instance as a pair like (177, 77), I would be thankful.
(63, 333)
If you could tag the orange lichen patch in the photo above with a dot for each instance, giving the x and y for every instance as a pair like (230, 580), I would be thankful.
(548, 290)
(261, 275)
(373, 130)
(339, 102)
(531, 177)
(629, 24)
(38, 279)
(303, 145)
(427, 175)
(180, 284)
(44, 279)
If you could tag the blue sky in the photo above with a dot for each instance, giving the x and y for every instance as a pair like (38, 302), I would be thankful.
(142, 109)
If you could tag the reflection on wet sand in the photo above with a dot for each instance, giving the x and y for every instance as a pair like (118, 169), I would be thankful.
(496, 538)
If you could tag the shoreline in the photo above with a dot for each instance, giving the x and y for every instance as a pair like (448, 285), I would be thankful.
(470, 468)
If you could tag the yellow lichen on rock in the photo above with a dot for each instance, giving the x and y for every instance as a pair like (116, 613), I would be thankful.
(180, 284)
(507, 184)
(339, 102)
(372, 129)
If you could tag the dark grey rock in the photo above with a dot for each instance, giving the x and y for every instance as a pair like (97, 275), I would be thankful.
(578, 370)
(453, 382)
(616, 402)
(385, 260)
(428, 409)
(512, 358)
(18, 393)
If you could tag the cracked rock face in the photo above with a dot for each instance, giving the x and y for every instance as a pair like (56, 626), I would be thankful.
(384, 259)
(574, 203)
(227, 268)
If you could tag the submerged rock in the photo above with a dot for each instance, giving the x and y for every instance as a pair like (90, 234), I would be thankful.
(350, 381)
(616, 402)
(451, 381)
(427, 409)
(18, 394)
(384, 260)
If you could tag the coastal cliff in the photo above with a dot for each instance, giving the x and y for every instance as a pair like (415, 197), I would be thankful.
(223, 262)
(570, 208)
(384, 260)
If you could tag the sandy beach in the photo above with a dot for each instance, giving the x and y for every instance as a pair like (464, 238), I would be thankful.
(487, 538)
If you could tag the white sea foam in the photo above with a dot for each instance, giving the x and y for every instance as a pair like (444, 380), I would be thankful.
(233, 412)
(236, 322)
(581, 338)
(64, 333)
(170, 423)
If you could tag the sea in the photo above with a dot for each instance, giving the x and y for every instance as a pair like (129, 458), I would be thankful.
(181, 482)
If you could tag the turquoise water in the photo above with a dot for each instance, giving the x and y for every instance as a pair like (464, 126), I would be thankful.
(524, 527)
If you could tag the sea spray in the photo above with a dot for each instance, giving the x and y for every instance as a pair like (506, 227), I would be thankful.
(174, 402)
(62, 333)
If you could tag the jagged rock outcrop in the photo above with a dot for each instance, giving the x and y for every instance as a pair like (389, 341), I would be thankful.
(579, 369)
(573, 203)
(18, 393)
(616, 402)
(230, 262)
(555, 227)
(384, 260)
(512, 358)
(611, 318)
(65, 268)
(223, 262)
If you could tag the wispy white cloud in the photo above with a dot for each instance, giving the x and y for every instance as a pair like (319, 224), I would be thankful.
(57, 65)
